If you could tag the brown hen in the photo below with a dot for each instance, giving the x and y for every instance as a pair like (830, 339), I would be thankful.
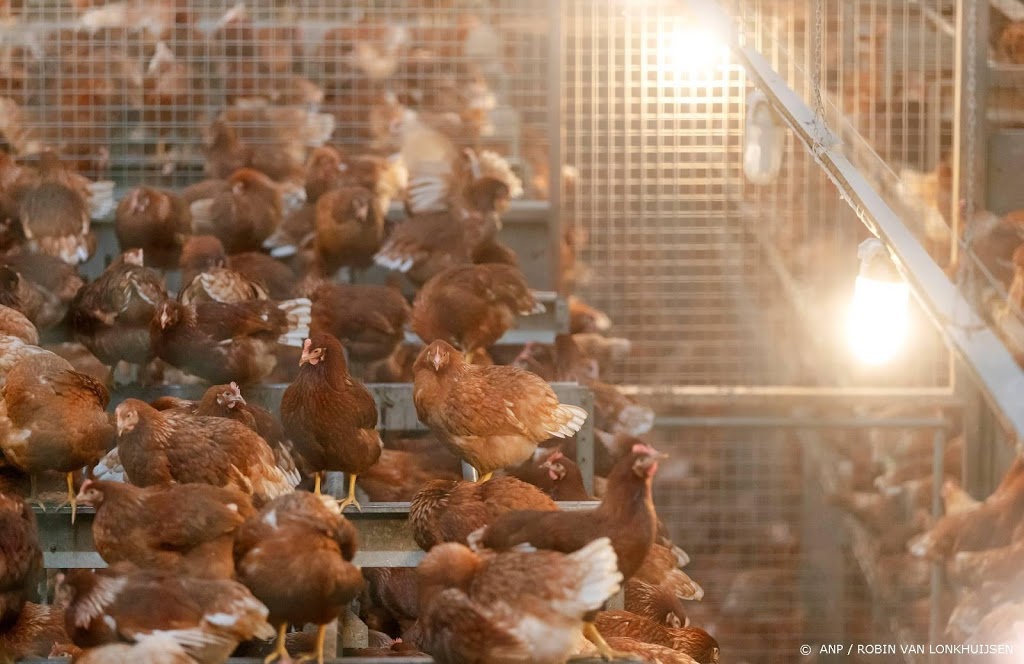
(186, 529)
(490, 416)
(243, 215)
(163, 447)
(111, 316)
(296, 557)
(368, 320)
(450, 510)
(39, 286)
(208, 618)
(626, 515)
(691, 641)
(349, 225)
(399, 475)
(331, 417)
(472, 306)
(511, 606)
(222, 342)
(155, 221)
(21, 558)
(54, 418)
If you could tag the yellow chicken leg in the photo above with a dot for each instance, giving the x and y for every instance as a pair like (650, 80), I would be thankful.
(280, 651)
(351, 498)
(321, 633)
(316, 484)
(33, 498)
(594, 636)
(72, 497)
(483, 478)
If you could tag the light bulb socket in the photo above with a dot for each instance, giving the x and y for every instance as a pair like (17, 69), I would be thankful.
(875, 262)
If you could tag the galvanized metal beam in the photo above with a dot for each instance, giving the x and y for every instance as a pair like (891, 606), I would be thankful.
(991, 365)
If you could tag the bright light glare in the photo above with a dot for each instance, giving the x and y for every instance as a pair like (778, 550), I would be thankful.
(692, 51)
(878, 319)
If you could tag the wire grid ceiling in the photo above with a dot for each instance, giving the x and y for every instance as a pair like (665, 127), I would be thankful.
(715, 280)
(129, 90)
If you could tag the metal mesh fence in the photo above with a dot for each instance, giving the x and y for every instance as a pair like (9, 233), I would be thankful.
(129, 90)
(719, 281)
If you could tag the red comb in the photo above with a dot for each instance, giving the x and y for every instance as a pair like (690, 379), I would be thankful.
(306, 344)
(641, 448)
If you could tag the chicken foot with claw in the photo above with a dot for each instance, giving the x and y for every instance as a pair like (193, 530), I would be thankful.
(280, 651)
(606, 651)
(321, 633)
(351, 498)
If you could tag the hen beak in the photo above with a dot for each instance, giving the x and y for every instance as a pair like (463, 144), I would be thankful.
(232, 399)
(657, 456)
(164, 319)
(305, 358)
(435, 359)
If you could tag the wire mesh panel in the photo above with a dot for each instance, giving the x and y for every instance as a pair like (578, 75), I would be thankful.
(130, 90)
(715, 279)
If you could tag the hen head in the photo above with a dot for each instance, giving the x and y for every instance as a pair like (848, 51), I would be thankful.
(231, 396)
(438, 356)
(168, 314)
(645, 461)
(555, 465)
(91, 494)
(322, 349)
(133, 257)
(127, 416)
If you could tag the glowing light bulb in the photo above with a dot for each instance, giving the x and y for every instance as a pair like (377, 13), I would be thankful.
(878, 319)
(692, 51)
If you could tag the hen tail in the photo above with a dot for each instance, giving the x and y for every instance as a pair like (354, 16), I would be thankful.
(600, 578)
(427, 155)
(635, 420)
(317, 129)
(683, 586)
(101, 199)
(394, 257)
(202, 216)
(300, 315)
(491, 164)
(72, 249)
(286, 462)
(476, 538)
(565, 421)
(293, 197)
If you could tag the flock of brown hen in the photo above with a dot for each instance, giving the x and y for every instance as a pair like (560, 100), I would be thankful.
(885, 484)
(212, 515)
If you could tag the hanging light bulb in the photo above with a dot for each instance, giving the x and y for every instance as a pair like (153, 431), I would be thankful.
(878, 318)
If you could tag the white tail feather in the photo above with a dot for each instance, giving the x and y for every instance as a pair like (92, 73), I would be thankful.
(101, 199)
(300, 315)
(202, 216)
(575, 417)
(601, 578)
(475, 539)
(636, 420)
